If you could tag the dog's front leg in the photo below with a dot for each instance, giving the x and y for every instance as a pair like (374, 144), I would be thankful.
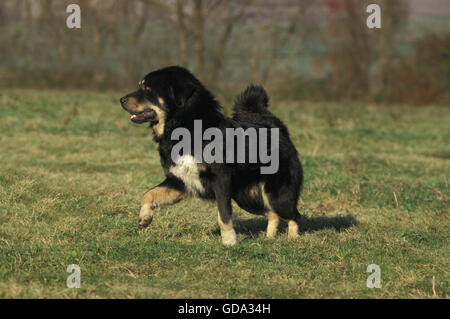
(223, 197)
(166, 193)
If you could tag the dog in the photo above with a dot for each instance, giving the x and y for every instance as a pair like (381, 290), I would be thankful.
(173, 98)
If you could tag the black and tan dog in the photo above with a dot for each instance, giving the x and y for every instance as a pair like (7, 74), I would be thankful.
(173, 98)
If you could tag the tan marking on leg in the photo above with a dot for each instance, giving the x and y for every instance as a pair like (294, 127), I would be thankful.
(162, 195)
(293, 229)
(265, 198)
(272, 225)
(158, 196)
(272, 217)
(229, 237)
(225, 226)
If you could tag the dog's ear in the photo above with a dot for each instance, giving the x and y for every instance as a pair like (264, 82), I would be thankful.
(182, 95)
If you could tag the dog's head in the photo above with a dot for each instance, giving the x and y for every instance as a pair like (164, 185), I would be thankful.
(161, 95)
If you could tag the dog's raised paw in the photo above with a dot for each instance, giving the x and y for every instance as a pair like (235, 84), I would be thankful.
(145, 216)
(144, 222)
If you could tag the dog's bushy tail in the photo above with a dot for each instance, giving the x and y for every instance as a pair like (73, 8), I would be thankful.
(253, 100)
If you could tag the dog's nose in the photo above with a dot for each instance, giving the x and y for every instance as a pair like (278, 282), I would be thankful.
(123, 100)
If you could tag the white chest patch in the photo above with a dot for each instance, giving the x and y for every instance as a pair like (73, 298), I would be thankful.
(188, 171)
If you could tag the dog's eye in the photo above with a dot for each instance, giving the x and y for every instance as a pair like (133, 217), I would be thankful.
(143, 87)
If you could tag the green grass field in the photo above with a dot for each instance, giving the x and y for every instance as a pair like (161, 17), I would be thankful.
(73, 169)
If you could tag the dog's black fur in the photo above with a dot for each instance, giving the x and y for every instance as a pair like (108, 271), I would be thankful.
(172, 97)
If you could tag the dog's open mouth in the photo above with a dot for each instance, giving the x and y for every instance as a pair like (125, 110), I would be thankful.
(145, 116)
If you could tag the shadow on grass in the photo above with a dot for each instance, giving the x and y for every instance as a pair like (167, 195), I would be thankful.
(253, 227)
(338, 223)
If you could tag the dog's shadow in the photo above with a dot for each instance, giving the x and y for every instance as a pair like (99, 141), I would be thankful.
(253, 227)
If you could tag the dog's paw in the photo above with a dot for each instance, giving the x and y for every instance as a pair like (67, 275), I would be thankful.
(229, 238)
(145, 216)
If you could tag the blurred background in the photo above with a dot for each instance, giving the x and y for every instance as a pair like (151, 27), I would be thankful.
(299, 49)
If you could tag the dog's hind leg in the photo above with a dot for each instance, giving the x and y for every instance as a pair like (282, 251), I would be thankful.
(223, 197)
(284, 207)
(272, 224)
(293, 226)
(166, 193)
(273, 218)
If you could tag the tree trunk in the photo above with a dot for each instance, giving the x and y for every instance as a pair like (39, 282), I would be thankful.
(182, 34)
(199, 41)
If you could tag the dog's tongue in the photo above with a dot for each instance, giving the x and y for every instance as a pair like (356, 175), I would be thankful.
(132, 116)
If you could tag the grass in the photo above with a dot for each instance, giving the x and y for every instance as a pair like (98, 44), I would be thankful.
(73, 169)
